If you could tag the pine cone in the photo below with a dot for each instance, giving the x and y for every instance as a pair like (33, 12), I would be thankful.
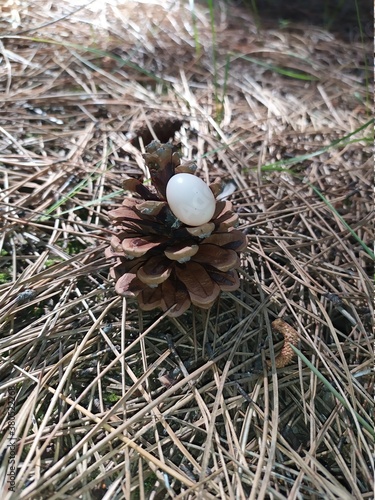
(161, 260)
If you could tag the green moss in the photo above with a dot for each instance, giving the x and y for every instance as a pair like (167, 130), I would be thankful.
(51, 262)
(150, 482)
(74, 247)
(5, 278)
(37, 312)
(111, 398)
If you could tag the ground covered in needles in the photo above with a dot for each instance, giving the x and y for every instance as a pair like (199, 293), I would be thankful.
(102, 400)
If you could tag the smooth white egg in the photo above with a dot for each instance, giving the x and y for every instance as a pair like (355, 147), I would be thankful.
(190, 199)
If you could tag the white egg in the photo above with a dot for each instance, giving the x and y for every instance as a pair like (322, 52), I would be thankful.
(190, 199)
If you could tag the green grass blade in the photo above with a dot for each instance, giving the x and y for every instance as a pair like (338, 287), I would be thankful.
(94, 202)
(198, 46)
(226, 76)
(352, 232)
(337, 395)
(62, 200)
(291, 73)
(95, 51)
(298, 159)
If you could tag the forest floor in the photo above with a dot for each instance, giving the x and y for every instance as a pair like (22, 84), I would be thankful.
(96, 401)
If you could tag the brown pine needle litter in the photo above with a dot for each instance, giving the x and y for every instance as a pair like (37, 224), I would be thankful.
(99, 399)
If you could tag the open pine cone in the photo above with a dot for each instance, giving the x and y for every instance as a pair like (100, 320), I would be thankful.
(159, 259)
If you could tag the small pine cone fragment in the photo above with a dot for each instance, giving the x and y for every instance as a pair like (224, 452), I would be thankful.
(290, 335)
(162, 261)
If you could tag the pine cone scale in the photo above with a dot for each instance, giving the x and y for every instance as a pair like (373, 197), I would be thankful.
(234, 240)
(218, 257)
(174, 294)
(202, 290)
(181, 253)
(129, 285)
(228, 281)
(136, 247)
(150, 298)
(155, 270)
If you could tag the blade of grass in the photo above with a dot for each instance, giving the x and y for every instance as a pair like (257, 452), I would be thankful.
(329, 386)
(93, 202)
(361, 34)
(195, 28)
(279, 165)
(297, 159)
(214, 59)
(95, 51)
(352, 232)
(292, 73)
(226, 76)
